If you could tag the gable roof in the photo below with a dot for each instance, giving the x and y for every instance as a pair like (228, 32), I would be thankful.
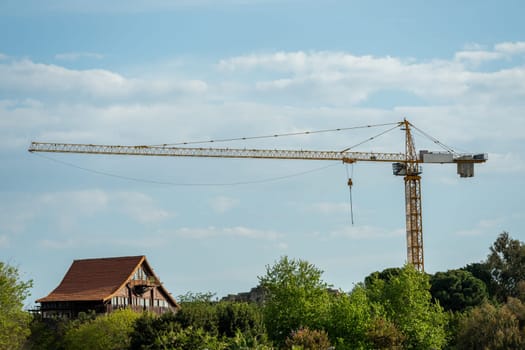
(99, 279)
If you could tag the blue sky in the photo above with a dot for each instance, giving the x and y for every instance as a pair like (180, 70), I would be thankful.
(154, 72)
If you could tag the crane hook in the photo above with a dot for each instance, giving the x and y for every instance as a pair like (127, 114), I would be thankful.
(350, 183)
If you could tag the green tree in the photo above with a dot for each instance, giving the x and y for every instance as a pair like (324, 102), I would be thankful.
(507, 265)
(482, 271)
(457, 290)
(297, 298)
(47, 334)
(221, 322)
(14, 321)
(236, 317)
(385, 275)
(490, 327)
(407, 302)
(350, 318)
(152, 332)
(199, 313)
(106, 332)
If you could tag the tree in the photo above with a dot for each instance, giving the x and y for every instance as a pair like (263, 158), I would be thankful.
(198, 311)
(106, 332)
(199, 318)
(482, 271)
(237, 317)
(47, 333)
(457, 290)
(14, 321)
(407, 302)
(350, 318)
(490, 327)
(385, 275)
(507, 265)
(297, 298)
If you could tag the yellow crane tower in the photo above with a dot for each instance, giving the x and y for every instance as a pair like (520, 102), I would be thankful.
(405, 164)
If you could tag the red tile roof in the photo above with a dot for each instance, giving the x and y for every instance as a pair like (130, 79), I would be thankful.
(97, 279)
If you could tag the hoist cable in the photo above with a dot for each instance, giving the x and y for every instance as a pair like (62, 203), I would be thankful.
(237, 183)
(349, 177)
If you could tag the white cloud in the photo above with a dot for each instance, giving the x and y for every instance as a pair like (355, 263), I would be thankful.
(478, 56)
(328, 76)
(282, 246)
(330, 208)
(73, 56)
(69, 210)
(59, 244)
(29, 78)
(299, 90)
(140, 207)
(85, 202)
(115, 6)
(483, 227)
(14, 217)
(4, 241)
(223, 204)
(66, 209)
(511, 48)
(366, 232)
(238, 231)
(505, 163)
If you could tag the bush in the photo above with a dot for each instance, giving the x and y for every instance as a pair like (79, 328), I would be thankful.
(383, 334)
(106, 332)
(308, 339)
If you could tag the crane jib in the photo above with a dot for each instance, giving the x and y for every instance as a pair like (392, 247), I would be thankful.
(217, 152)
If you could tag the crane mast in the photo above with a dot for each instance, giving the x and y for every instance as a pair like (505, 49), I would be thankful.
(404, 164)
(414, 224)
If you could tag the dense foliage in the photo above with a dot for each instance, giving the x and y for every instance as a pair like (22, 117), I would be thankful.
(106, 332)
(297, 298)
(492, 327)
(507, 265)
(14, 322)
(457, 290)
(406, 301)
(480, 306)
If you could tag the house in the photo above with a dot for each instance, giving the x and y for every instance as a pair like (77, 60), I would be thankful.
(108, 284)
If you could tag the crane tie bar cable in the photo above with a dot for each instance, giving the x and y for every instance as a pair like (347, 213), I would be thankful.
(370, 138)
(273, 136)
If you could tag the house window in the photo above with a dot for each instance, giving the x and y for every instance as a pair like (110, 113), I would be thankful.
(161, 303)
(140, 275)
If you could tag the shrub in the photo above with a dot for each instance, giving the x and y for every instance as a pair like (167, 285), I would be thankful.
(307, 339)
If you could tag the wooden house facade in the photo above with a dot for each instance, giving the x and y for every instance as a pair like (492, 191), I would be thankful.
(107, 284)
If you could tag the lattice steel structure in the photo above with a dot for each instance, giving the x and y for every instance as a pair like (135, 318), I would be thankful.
(405, 164)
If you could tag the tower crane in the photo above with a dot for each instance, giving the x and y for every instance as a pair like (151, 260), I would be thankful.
(405, 164)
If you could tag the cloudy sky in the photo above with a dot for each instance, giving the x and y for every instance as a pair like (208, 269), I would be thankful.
(156, 72)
